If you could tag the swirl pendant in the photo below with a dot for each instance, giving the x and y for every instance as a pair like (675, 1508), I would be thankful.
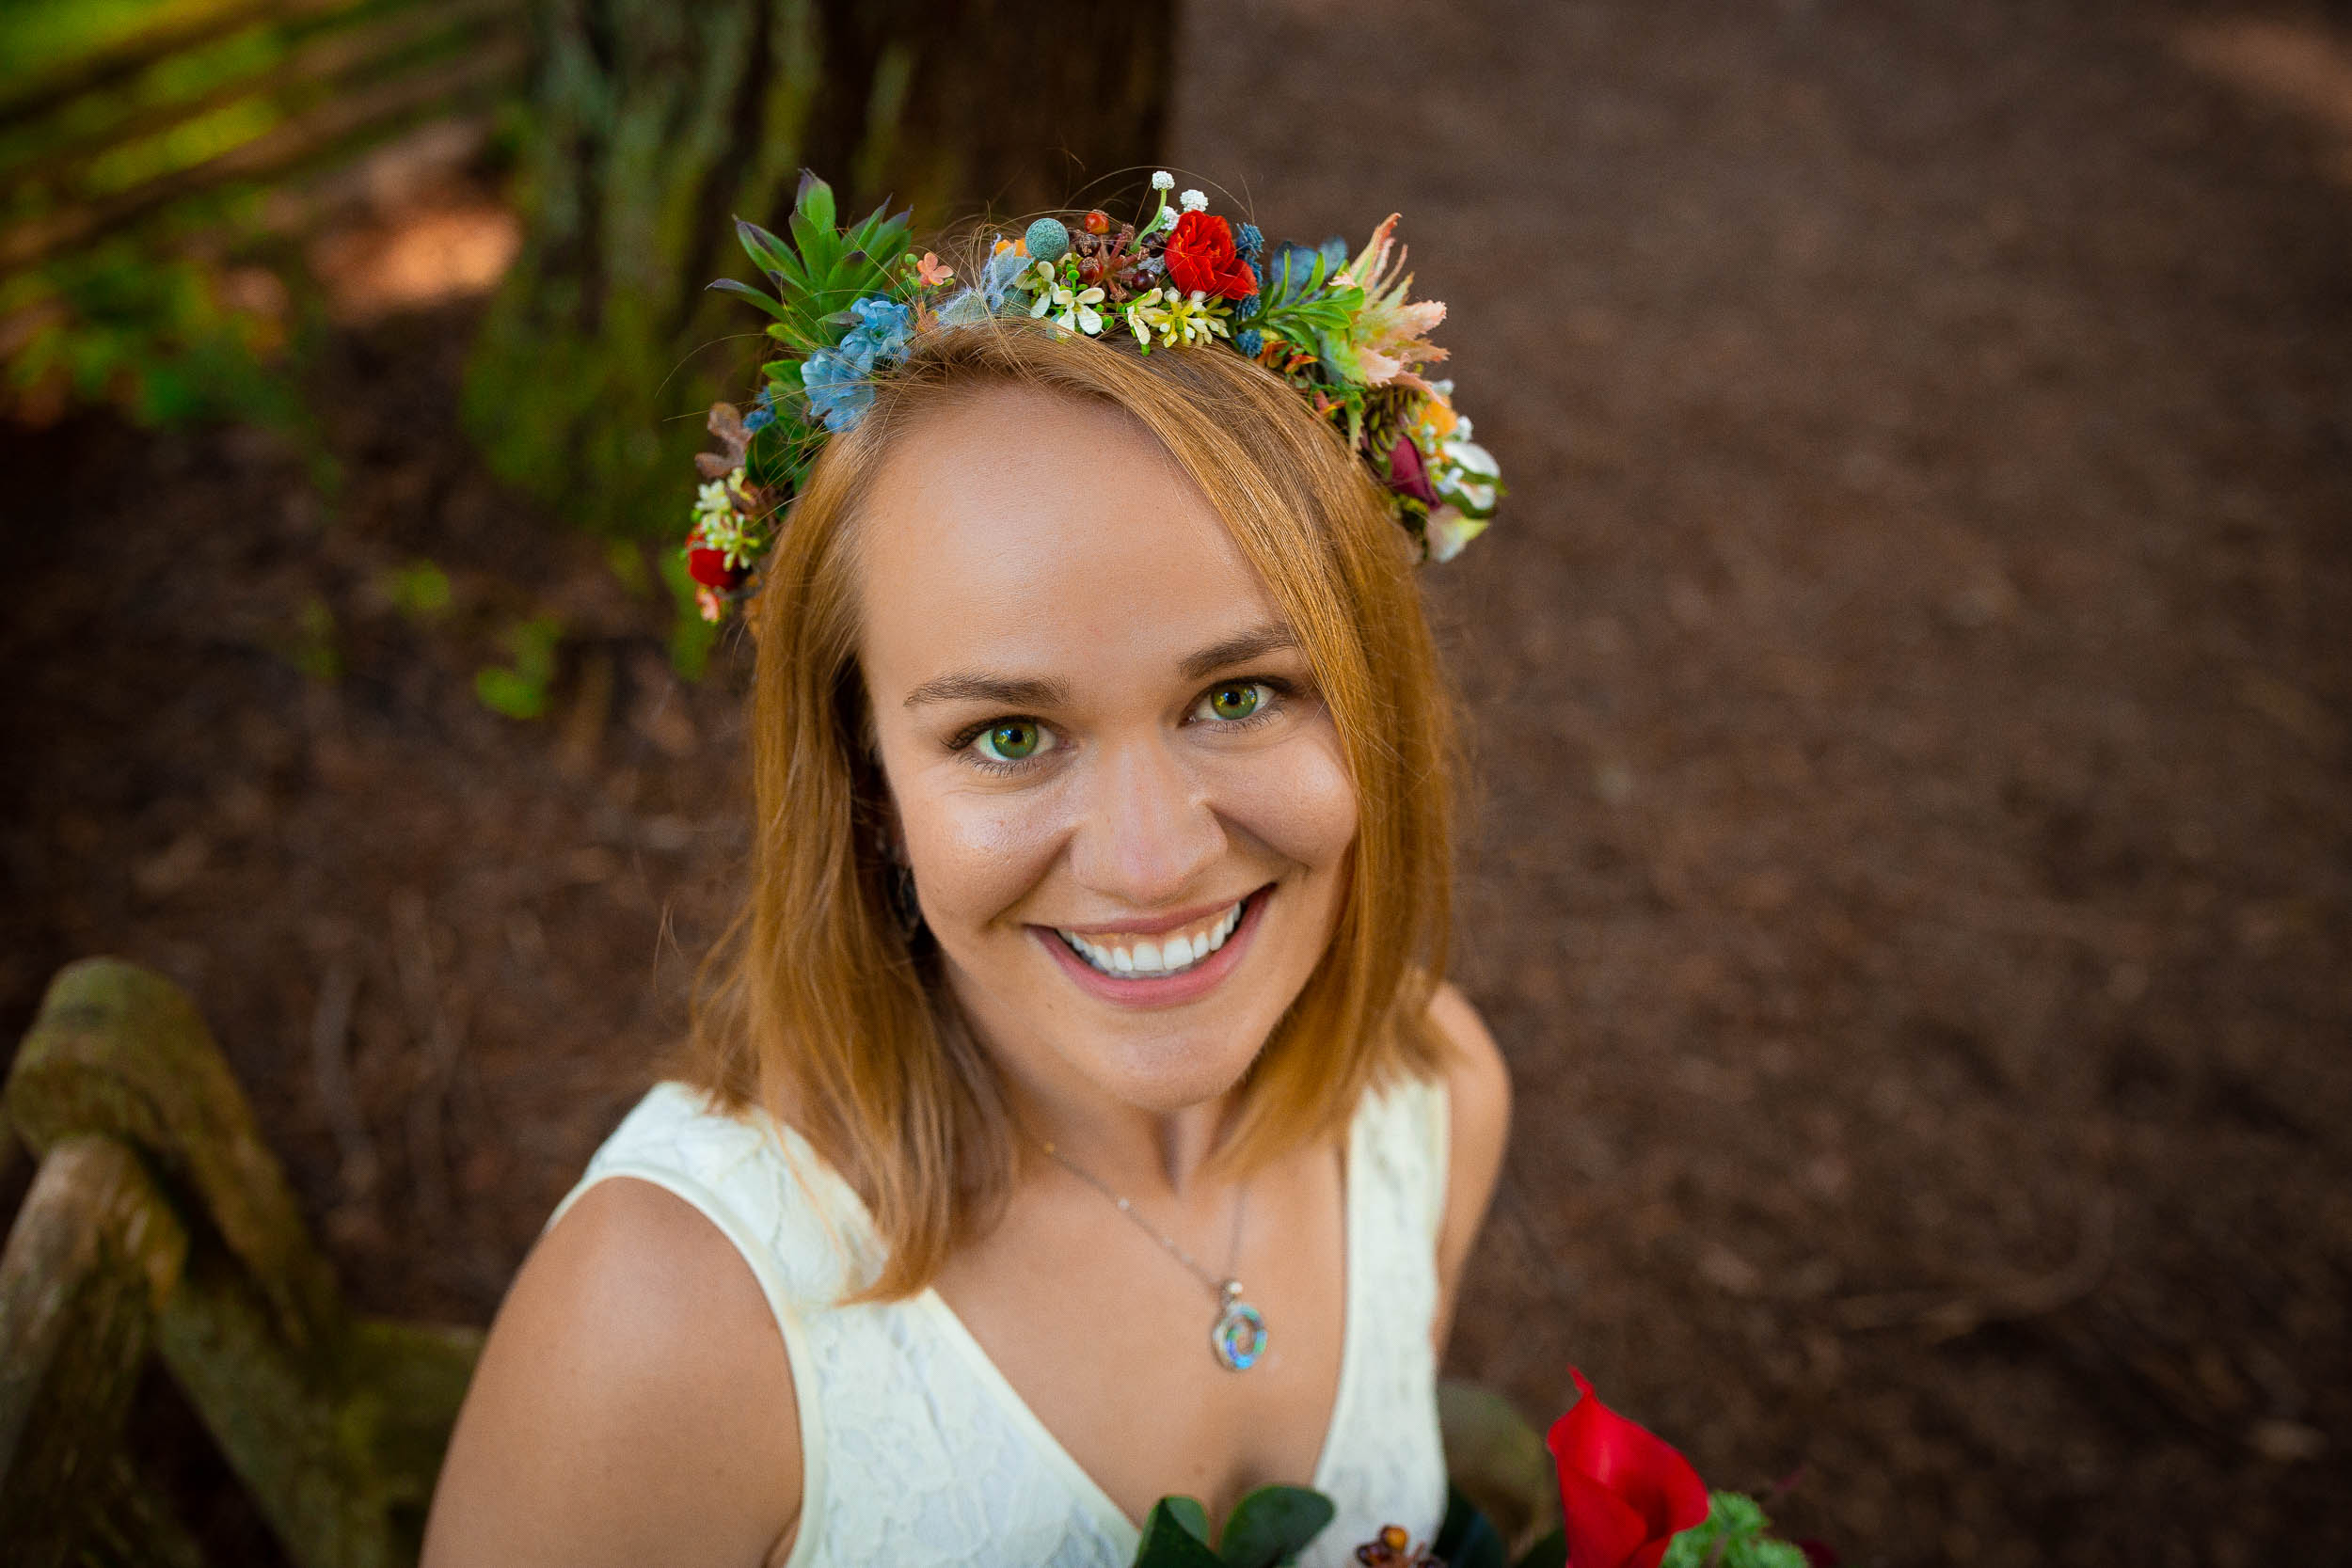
(1237, 1337)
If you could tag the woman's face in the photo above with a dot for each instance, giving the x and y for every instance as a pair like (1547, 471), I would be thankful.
(1122, 800)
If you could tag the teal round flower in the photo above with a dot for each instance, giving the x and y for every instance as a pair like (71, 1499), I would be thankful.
(1047, 239)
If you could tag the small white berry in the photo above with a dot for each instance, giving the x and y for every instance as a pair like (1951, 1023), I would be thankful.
(1192, 201)
(1163, 180)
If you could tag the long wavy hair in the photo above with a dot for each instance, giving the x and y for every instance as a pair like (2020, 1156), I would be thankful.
(821, 1011)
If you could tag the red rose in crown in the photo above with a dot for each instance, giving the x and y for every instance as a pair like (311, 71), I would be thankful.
(1201, 259)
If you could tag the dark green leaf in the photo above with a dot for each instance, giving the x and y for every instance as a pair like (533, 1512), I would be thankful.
(1293, 273)
(759, 297)
(1176, 1535)
(1273, 1525)
(819, 248)
(1551, 1551)
(1466, 1540)
(814, 199)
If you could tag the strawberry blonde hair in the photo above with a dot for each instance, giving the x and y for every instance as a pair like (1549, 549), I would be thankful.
(823, 1012)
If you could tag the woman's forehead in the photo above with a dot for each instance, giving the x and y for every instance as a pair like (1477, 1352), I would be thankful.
(1023, 532)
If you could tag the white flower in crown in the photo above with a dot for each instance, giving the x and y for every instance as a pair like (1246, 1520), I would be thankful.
(1192, 201)
(1163, 180)
(1146, 314)
(720, 498)
(1193, 319)
(1448, 530)
(1071, 310)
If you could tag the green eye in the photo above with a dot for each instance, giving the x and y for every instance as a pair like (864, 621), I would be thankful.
(1013, 740)
(1237, 701)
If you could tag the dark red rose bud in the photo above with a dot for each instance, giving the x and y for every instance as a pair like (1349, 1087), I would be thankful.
(1625, 1492)
(1201, 259)
(709, 567)
(1407, 474)
(1098, 222)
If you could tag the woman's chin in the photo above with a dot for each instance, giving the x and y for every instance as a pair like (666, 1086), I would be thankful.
(1165, 1073)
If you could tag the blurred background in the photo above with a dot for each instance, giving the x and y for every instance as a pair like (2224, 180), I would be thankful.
(1912, 877)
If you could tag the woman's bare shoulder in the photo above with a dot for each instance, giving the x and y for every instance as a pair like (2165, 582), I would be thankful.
(634, 1404)
(1478, 1082)
(1478, 1099)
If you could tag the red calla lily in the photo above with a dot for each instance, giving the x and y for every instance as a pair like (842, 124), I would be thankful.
(1625, 1491)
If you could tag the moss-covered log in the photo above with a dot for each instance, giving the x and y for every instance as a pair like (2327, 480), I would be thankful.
(92, 1255)
(119, 1051)
(129, 1522)
(655, 123)
(335, 1424)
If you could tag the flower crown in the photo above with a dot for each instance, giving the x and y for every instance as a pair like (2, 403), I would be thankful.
(1336, 327)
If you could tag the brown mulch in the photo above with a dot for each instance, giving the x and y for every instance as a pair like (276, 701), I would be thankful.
(1913, 875)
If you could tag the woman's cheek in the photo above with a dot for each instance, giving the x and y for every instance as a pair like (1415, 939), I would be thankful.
(1296, 798)
(975, 855)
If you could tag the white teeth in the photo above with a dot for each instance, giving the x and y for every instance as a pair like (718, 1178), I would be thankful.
(1156, 960)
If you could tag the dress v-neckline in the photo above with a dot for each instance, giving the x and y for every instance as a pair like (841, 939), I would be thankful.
(1124, 1531)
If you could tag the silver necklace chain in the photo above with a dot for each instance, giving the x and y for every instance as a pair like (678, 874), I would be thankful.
(1222, 1290)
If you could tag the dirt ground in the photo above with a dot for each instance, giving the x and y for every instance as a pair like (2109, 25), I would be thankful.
(1913, 879)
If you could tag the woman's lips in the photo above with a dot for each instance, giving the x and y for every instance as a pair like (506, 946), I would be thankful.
(1160, 991)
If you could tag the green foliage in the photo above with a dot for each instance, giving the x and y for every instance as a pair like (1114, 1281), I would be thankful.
(627, 562)
(1272, 1525)
(821, 270)
(521, 690)
(1295, 302)
(691, 638)
(1267, 1528)
(1549, 1551)
(313, 648)
(1731, 1536)
(1467, 1540)
(419, 591)
(1176, 1535)
(38, 36)
(171, 339)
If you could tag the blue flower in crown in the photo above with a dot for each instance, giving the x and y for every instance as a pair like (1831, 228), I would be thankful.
(763, 412)
(838, 389)
(881, 331)
(841, 379)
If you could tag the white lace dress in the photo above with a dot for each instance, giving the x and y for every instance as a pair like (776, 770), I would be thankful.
(916, 1450)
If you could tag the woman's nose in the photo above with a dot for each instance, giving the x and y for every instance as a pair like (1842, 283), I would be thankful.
(1149, 833)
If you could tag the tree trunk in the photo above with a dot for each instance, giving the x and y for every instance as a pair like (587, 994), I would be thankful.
(657, 123)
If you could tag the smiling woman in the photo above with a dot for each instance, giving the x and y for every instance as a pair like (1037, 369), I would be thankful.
(1088, 970)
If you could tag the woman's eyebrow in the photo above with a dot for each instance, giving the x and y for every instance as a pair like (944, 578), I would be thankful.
(1002, 690)
(1239, 649)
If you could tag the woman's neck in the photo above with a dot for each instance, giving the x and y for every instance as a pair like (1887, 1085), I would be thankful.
(1139, 1151)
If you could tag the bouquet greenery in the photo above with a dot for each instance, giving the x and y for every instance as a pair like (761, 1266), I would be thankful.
(1626, 1499)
